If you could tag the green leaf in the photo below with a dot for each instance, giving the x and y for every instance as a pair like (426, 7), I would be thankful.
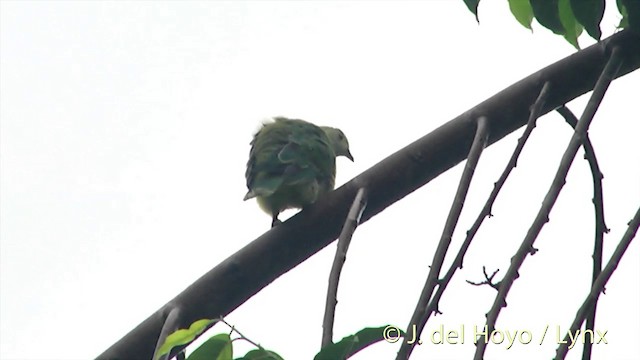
(261, 354)
(589, 13)
(183, 336)
(571, 26)
(351, 344)
(473, 7)
(522, 11)
(218, 347)
(633, 14)
(624, 22)
(547, 14)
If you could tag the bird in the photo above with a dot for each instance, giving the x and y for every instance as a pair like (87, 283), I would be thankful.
(292, 163)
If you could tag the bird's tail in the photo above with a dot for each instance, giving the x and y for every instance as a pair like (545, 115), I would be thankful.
(250, 195)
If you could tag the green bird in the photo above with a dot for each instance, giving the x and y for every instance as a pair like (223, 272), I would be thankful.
(292, 163)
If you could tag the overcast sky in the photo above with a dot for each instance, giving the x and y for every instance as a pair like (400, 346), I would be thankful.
(125, 130)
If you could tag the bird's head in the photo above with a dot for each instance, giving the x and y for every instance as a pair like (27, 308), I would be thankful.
(338, 141)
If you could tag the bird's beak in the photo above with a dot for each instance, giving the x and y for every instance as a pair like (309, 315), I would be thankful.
(349, 156)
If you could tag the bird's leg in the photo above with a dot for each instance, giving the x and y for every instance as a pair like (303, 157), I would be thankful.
(275, 221)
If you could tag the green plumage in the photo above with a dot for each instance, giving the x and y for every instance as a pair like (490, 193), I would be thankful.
(292, 163)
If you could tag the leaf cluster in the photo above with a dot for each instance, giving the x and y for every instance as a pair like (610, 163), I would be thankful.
(220, 346)
(569, 18)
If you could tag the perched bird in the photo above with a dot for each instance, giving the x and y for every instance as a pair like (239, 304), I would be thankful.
(292, 163)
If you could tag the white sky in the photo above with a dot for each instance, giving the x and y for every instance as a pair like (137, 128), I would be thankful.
(124, 137)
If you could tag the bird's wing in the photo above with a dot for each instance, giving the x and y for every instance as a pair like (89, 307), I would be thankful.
(287, 152)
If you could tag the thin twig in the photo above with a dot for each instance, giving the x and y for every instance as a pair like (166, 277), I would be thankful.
(420, 315)
(352, 221)
(488, 279)
(601, 227)
(242, 337)
(607, 75)
(534, 114)
(599, 284)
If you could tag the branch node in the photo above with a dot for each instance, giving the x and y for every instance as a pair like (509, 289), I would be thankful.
(488, 279)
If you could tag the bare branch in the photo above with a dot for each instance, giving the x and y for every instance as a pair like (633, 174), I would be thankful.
(420, 315)
(350, 224)
(601, 227)
(172, 323)
(601, 281)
